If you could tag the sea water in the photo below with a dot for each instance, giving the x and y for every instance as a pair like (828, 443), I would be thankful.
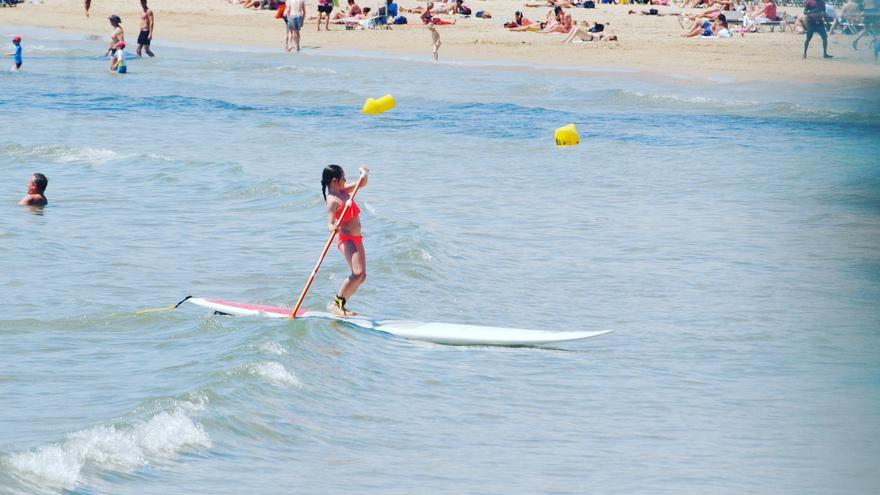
(727, 232)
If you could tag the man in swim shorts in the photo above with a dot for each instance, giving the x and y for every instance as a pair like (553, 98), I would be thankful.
(325, 7)
(148, 21)
(296, 14)
(36, 188)
(814, 10)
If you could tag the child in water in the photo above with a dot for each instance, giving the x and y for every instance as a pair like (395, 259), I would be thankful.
(349, 240)
(16, 54)
(36, 189)
(117, 62)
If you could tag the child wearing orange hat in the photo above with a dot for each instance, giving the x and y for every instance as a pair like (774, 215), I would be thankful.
(16, 54)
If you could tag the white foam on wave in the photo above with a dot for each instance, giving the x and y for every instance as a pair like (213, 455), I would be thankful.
(301, 70)
(109, 447)
(58, 153)
(270, 347)
(687, 100)
(275, 373)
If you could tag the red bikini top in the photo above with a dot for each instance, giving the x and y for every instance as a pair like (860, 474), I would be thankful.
(350, 214)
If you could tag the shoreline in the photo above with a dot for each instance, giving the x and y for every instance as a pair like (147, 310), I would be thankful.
(649, 45)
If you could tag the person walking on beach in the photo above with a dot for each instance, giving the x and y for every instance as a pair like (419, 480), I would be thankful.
(148, 21)
(36, 189)
(435, 40)
(325, 7)
(16, 53)
(296, 15)
(88, 5)
(814, 10)
(349, 239)
(117, 36)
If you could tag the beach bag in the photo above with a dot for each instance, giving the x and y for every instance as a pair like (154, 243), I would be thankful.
(400, 20)
(589, 4)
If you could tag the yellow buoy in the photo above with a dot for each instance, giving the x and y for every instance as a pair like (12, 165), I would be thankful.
(381, 105)
(567, 135)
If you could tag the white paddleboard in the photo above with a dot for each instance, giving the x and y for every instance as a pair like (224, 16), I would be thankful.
(439, 333)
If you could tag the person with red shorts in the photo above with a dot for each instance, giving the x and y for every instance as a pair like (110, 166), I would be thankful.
(349, 239)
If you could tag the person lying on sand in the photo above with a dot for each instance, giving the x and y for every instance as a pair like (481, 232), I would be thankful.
(518, 21)
(709, 29)
(693, 4)
(427, 17)
(421, 10)
(565, 4)
(710, 13)
(580, 34)
(458, 8)
(653, 12)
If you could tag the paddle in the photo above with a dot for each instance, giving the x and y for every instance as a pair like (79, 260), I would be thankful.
(166, 308)
(327, 245)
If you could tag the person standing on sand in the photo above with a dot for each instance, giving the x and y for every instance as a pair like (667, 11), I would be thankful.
(325, 7)
(814, 10)
(435, 40)
(148, 22)
(36, 188)
(88, 5)
(117, 36)
(296, 15)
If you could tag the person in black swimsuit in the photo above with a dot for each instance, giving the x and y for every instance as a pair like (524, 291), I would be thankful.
(814, 10)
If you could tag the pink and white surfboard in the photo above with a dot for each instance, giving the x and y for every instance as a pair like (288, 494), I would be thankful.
(439, 333)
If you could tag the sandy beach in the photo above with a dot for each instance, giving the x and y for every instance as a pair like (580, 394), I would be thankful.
(648, 43)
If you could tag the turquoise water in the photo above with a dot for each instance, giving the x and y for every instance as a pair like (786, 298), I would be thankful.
(727, 232)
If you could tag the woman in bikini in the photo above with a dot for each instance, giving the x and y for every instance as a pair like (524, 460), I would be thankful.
(349, 239)
(561, 24)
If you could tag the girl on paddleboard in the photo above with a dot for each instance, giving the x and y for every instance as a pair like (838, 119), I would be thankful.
(349, 239)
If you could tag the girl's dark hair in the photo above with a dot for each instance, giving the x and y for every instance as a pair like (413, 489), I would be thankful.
(330, 172)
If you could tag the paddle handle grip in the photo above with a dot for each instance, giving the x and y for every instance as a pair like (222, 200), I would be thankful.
(327, 245)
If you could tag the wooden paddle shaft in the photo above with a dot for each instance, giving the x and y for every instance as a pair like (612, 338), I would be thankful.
(345, 208)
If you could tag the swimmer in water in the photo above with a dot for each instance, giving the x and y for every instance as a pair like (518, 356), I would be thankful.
(36, 189)
(349, 239)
